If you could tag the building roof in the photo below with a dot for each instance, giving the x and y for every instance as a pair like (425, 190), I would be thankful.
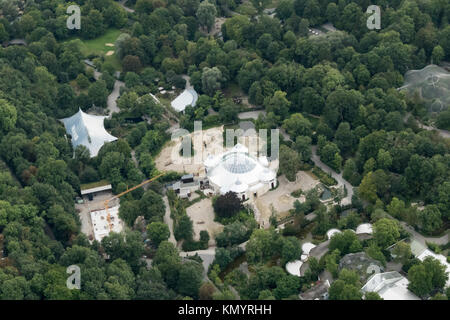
(187, 97)
(87, 130)
(361, 263)
(307, 247)
(100, 223)
(293, 267)
(237, 171)
(390, 286)
(332, 232)
(96, 189)
(364, 228)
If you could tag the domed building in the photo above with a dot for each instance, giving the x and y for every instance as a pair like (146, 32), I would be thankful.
(237, 171)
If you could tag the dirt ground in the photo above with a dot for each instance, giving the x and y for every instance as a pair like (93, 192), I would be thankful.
(204, 143)
(280, 198)
(202, 216)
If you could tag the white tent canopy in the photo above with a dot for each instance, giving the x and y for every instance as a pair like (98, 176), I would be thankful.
(87, 130)
(187, 97)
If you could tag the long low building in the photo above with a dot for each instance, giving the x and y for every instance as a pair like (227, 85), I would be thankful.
(237, 171)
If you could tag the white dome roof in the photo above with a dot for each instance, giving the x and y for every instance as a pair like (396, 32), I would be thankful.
(237, 171)
(307, 246)
(237, 162)
(294, 267)
(332, 232)
(364, 228)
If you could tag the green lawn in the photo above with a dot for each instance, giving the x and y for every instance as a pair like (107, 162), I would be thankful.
(98, 46)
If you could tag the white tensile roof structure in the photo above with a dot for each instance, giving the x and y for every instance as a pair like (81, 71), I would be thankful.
(237, 171)
(187, 97)
(364, 228)
(390, 286)
(293, 267)
(87, 130)
(307, 247)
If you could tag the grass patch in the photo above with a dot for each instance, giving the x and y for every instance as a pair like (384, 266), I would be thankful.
(297, 193)
(324, 177)
(98, 46)
(94, 184)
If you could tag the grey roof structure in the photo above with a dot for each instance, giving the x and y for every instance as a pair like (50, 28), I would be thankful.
(87, 130)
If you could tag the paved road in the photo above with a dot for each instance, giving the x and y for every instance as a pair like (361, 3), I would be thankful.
(207, 257)
(168, 220)
(122, 4)
(112, 98)
(251, 114)
(341, 181)
(422, 239)
(442, 133)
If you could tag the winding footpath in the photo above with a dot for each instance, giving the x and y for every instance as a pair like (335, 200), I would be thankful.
(341, 181)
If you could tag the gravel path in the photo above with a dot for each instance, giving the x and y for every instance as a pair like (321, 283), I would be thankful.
(168, 220)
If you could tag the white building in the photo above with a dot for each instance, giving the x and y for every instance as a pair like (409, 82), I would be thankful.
(186, 98)
(365, 228)
(237, 171)
(103, 224)
(390, 286)
(87, 130)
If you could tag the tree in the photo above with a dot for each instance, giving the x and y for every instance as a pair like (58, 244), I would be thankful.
(8, 116)
(158, 232)
(206, 291)
(372, 296)
(347, 287)
(190, 279)
(98, 93)
(289, 162)
(402, 252)
(344, 138)
(227, 205)
(206, 14)
(386, 232)
(296, 125)
(131, 63)
(211, 79)
(384, 159)
(343, 242)
(278, 104)
(261, 246)
(328, 154)
(184, 228)
(303, 147)
(290, 250)
(430, 219)
(438, 54)
(152, 206)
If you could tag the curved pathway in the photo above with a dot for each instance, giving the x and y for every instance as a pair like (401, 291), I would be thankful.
(122, 4)
(341, 181)
(443, 133)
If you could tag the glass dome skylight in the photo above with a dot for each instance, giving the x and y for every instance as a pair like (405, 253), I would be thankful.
(238, 163)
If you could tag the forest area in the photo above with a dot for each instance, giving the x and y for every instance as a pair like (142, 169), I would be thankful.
(337, 93)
